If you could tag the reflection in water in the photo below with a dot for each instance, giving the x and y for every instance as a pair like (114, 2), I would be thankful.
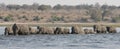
(70, 41)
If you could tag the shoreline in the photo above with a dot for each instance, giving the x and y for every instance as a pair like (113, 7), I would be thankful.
(64, 24)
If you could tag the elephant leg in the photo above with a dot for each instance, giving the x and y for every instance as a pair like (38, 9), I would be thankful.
(15, 32)
(104, 32)
(39, 32)
(27, 33)
(98, 32)
(6, 33)
(115, 31)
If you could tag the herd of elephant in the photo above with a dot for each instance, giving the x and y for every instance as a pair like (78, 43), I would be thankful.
(24, 29)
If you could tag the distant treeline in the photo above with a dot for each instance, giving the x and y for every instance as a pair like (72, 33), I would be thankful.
(64, 13)
(36, 6)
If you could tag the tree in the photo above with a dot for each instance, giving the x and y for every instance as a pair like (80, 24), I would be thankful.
(85, 6)
(106, 13)
(57, 7)
(104, 7)
(44, 7)
(15, 7)
(26, 7)
(2, 6)
(35, 6)
(97, 5)
(96, 14)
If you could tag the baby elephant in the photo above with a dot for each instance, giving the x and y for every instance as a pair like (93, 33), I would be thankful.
(8, 31)
(32, 30)
(89, 31)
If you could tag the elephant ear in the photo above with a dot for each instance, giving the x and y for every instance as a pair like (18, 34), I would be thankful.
(16, 26)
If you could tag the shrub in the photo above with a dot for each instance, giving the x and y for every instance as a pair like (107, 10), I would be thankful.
(84, 19)
(116, 19)
(36, 18)
(55, 18)
(1, 17)
(8, 18)
(25, 17)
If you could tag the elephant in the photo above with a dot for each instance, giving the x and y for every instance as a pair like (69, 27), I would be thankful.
(103, 29)
(45, 30)
(20, 29)
(86, 31)
(49, 30)
(111, 29)
(32, 30)
(77, 30)
(60, 30)
(39, 28)
(89, 31)
(8, 30)
(99, 28)
(66, 31)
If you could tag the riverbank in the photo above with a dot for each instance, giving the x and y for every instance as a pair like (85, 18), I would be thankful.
(64, 24)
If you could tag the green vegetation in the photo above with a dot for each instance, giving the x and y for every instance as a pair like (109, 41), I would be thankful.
(8, 18)
(36, 18)
(116, 19)
(1, 17)
(96, 14)
(44, 7)
(55, 18)
(57, 7)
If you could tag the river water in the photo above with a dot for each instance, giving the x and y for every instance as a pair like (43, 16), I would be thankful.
(69, 41)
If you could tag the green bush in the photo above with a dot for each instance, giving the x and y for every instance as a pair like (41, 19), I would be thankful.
(8, 18)
(55, 18)
(116, 19)
(84, 19)
(25, 17)
(36, 18)
(1, 17)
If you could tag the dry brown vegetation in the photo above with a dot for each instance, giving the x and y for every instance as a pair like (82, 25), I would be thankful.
(59, 14)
